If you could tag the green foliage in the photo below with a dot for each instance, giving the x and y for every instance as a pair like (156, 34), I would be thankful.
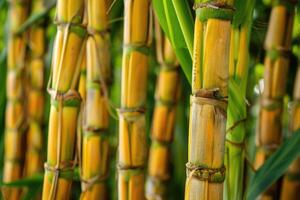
(275, 166)
(178, 27)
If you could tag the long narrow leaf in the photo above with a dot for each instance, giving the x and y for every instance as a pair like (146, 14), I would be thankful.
(275, 166)
(186, 22)
(169, 21)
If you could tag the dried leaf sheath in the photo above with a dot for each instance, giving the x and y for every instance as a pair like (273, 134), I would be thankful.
(291, 181)
(209, 101)
(278, 46)
(167, 93)
(34, 152)
(132, 129)
(65, 100)
(15, 108)
(95, 139)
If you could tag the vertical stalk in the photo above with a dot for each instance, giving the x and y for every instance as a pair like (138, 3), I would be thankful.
(291, 181)
(205, 167)
(278, 47)
(167, 93)
(132, 127)
(34, 151)
(237, 112)
(235, 137)
(95, 151)
(15, 120)
(65, 100)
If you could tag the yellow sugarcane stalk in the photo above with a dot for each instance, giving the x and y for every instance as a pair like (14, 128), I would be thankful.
(132, 124)
(34, 151)
(278, 46)
(68, 52)
(167, 93)
(95, 152)
(207, 129)
(15, 121)
(291, 181)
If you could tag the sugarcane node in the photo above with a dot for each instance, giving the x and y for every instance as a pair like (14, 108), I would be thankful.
(159, 142)
(87, 184)
(64, 96)
(103, 32)
(213, 5)
(21, 125)
(94, 129)
(140, 47)
(168, 67)
(278, 52)
(14, 160)
(204, 173)
(216, 10)
(210, 97)
(236, 123)
(292, 176)
(155, 188)
(271, 103)
(37, 57)
(289, 4)
(83, 71)
(75, 26)
(268, 149)
(167, 103)
(130, 170)
(131, 114)
(241, 145)
(65, 166)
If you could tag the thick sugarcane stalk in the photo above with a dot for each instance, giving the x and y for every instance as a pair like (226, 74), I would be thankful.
(278, 46)
(34, 151)
(237, 112)
(132, 124)
(15, 122)
(291, 181)
(95, 143)
(67, 55)
(205, 167)
(167, 93)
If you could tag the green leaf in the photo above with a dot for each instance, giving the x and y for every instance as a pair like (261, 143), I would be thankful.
(275, 166)
(32, 192)
(178, 27)
(26, 182)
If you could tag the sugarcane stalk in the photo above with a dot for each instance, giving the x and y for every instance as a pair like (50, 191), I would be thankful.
(167, 93)
(278, 47)
(237, 112)
(67, 56)
(95, 152)
(34, 150)
(15, 119)
(132, 123)
(207, 127)
(291, 181)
